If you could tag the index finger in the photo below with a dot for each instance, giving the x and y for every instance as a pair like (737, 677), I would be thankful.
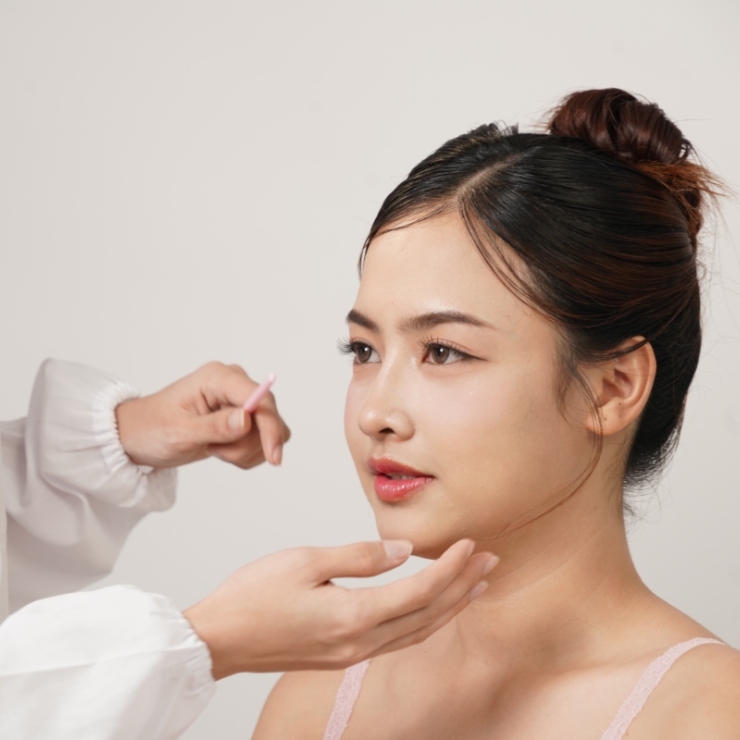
(224, 385)
(418, 591)
(272, 429)
(229, 385)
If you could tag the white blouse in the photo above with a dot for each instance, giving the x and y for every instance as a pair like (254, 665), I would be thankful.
(111, 663)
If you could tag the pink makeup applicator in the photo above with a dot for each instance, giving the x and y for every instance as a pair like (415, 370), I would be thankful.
(253, 401)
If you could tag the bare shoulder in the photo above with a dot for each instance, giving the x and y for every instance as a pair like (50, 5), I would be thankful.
(710, 683)
(699, 697)
(299, 706)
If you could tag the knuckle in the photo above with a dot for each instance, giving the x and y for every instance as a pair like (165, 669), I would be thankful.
(348, 655)
(250, 462)
(345, 627)
(213, 367)
(174, 440)
(269, 402)
(237, 369)
(421, 635)
(218, 430)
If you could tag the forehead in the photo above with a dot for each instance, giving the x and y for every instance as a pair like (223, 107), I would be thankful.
(432, 265)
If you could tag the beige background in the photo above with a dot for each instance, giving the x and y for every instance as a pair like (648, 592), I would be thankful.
(183, 180)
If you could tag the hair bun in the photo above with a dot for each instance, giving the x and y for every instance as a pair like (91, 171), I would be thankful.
(620, 124)
(640, 134)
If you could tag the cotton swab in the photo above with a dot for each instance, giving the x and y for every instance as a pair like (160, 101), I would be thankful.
(254, 400)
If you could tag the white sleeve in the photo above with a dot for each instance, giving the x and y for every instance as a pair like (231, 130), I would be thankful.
(112, 664)
(71, 494)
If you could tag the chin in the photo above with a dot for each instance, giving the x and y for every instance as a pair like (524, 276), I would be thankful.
(429, 540)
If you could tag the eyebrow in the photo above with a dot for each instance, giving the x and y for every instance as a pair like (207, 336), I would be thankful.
(421, 322)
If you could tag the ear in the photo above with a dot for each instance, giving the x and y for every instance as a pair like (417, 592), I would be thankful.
(621, 388)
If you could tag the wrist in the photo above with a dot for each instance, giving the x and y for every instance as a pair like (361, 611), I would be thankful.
(221, 657)
(129, 415)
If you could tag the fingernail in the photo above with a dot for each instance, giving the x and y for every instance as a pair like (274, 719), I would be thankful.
(236, 420)
(478, 590)
(397, 549)
(492, 562)
(277, 456)
(470, 548)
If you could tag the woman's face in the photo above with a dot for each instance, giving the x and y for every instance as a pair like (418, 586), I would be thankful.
(452, 414)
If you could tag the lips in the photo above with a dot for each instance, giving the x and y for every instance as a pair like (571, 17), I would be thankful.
(394, 481)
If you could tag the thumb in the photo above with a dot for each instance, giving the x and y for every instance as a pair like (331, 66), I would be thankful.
(361, 559)
(224, 426)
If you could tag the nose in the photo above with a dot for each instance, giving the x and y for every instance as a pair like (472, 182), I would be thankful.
(385, 411)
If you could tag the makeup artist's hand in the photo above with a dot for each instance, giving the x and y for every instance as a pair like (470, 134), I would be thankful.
(201, 415)
(283, 613)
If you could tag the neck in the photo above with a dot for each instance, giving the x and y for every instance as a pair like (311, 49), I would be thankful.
(565, 585)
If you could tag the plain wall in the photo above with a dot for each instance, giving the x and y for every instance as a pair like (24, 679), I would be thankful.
(183, 180)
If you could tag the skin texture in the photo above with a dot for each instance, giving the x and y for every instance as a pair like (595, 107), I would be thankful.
(282, 612)
(566, 626)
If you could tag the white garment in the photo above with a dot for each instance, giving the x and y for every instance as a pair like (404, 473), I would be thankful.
(106, 664)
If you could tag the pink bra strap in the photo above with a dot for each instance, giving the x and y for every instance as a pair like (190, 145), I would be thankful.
(646, 685)
(347, 695)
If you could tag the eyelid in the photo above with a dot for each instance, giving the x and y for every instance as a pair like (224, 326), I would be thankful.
(349, 347)
(436, 342)
(346, 345)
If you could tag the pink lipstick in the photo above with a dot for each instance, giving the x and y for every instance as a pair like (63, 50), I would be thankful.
(394, 481)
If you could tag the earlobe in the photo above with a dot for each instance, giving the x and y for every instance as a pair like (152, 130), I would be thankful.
(621, 388)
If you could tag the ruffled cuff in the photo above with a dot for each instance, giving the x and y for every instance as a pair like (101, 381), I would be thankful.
(105, 424)
(72, 422)
(127, 664)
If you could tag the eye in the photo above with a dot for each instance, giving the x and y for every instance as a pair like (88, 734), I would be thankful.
(443, 354)
(363, 352)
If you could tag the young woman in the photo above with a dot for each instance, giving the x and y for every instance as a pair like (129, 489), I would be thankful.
(524, 337)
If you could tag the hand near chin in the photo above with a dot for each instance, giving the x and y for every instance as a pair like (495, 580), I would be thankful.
(202, 415)
(282, 612)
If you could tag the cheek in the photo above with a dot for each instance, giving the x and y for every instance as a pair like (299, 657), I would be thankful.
(352, 433)
(504, 438)
(495, 412)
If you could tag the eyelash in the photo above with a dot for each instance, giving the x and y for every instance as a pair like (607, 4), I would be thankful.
(436, 342)
(346, 347)
(350, 347)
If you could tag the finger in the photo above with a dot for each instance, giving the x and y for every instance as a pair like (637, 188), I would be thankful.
(232, 454)
(250, 405)
(277, 453)
(419, 591)
(229, 385)
(358, 560)
(423, 622)
(220, 427)
(476, 568)
(374, 638)
(271, 428)
(416, 636)
(245, 453)
(224, 385)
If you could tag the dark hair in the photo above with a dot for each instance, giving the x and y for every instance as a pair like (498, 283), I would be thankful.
(603, 212)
